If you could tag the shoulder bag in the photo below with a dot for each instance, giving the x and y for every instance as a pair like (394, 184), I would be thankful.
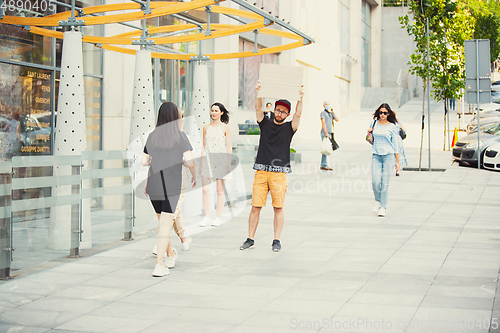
(369, 136)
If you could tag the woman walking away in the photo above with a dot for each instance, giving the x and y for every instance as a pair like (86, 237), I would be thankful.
(215, 160)
(385, 154)
(165, 149)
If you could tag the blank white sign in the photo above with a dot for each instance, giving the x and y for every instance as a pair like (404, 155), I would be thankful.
(277, 81)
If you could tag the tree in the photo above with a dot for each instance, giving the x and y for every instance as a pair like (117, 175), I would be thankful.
(487, 14)
(450, 24)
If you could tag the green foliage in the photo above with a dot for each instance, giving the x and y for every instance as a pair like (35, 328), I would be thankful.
(450, 25)
(255, 131)
(487, 14)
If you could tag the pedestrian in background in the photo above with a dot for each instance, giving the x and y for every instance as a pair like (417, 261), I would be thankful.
(452, 104)
(385, 154)
(327, 117)
(269, 112)
(215, 160)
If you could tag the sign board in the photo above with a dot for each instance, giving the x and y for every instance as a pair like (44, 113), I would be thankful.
(277, 81)
(477, 70)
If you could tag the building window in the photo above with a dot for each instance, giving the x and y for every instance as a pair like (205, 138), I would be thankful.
(249, 74)
(344, 23)
(365, 43)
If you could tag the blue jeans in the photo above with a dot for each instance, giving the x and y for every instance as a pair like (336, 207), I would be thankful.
(324, 163)
(382, 166)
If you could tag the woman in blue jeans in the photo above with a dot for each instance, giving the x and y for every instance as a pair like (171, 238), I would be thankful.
(385, 154)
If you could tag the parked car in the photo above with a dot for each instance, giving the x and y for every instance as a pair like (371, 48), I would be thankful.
(486, 124)
(492, 157)
(465, 150)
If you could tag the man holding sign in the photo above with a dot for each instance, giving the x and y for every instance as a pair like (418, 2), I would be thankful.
(272, 164)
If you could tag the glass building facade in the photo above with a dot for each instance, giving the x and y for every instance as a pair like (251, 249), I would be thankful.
(29, 84)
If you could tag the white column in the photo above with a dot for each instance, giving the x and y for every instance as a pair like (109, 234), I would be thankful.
(142, 119)
(70, 139)
(142, 122)
(199, 117)
(200, 107)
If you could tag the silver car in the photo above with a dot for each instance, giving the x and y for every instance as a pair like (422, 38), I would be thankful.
(465, 150)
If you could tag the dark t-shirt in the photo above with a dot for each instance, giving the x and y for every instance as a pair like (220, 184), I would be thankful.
(274, 146)
(165, 172)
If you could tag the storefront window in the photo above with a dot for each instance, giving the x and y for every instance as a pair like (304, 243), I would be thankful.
(21, 45)
(25, 110)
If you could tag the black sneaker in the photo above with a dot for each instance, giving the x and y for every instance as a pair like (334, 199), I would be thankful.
(276, 245)
(249, 243)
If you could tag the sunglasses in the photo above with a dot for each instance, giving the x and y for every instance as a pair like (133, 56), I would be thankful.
(384, 113)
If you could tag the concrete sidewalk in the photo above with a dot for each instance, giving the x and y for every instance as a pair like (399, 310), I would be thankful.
(431, 265)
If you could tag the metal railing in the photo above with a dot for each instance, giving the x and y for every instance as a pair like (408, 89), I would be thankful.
(61, 188)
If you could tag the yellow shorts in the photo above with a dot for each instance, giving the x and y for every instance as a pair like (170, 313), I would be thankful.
(266, 181)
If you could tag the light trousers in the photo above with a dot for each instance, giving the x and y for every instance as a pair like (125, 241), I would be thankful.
(382, 166)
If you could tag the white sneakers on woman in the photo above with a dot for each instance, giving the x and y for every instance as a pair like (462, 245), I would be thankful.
(376, 207)
(381, 212)
(205, 221)
(160, 270)
(217, 222)
(187, 242)
(170, 261)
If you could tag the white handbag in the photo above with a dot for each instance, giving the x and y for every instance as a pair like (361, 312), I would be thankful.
(326, 147)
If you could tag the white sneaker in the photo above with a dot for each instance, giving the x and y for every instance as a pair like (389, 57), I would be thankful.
(187, 242)
(155, 250)
(160, 270)
(376, 207)
(381, 212)
(205, 221)
(217, 222)
(170, 261)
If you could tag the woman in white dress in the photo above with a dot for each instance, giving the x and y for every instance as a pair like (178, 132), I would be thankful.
(215, 160)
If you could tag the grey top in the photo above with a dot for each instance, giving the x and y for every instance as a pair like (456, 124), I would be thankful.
(328, 117)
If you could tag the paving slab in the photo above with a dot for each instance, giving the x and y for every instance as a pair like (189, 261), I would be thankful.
(433, 260)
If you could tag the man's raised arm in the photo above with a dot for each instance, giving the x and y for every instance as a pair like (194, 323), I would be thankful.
(298, 110)
(259, 113)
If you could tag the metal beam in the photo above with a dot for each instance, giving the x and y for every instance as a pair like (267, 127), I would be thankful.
(72, 22)
(208, 9)
(255, 48)
(271, 18)
(81, 13)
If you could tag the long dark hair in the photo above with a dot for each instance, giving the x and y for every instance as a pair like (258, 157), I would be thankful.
(224, 117)
(167, 126)
(390, 118)
(168, 112)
